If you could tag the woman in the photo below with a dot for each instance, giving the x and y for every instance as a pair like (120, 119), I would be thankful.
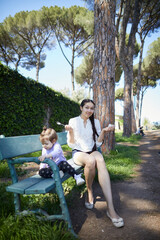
(84, 135)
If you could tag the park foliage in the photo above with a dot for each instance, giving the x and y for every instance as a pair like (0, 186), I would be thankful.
(27, 105)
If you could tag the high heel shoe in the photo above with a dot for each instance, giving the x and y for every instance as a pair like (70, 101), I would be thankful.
(117, 222)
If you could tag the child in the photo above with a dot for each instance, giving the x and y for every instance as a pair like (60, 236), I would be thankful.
(52, 149)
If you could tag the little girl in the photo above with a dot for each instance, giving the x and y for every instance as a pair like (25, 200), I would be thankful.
(52, 149)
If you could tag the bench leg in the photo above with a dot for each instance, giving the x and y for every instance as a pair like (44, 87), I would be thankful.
(59, 190)
(17, 203)
(63, 204)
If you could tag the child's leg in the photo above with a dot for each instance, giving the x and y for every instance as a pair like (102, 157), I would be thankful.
(66, 167)
(45, 172)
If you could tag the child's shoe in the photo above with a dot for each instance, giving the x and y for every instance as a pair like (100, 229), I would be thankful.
(61, 174)
(79, 180)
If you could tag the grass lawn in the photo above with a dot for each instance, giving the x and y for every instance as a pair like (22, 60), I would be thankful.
(122, 161)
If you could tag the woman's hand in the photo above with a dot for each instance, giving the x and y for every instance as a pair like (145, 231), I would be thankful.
(110, 128)
(68, 128)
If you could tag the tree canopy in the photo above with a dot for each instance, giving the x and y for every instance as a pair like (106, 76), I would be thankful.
(24, 37)
(76, 26)
(151, 65)
(30, 27)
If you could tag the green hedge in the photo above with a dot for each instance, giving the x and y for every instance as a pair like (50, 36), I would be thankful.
(25, 105)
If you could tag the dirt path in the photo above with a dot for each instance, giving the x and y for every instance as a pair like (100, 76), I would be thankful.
(136, 200)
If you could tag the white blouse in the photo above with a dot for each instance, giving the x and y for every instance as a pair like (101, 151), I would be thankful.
(83, 135)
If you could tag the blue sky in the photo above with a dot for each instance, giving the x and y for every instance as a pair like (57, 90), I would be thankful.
(56, 73)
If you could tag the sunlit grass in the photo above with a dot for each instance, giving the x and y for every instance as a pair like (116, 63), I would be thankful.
(132, 139)
(66, 148)
(122, 161)
(34, 154)
(4, 169)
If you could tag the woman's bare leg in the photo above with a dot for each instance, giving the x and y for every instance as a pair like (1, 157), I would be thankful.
(88, 162)
(89, 177)
(104, 181)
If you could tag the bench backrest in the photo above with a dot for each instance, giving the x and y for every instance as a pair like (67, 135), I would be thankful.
(19, 145)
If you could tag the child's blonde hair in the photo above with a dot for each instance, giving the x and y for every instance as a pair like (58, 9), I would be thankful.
(48, 134)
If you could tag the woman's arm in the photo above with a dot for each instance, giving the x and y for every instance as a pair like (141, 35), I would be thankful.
(70, 134)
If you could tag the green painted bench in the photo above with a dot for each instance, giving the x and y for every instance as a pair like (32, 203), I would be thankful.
(11, 149)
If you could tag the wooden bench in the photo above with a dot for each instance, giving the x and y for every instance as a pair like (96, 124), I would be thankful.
(13, 147)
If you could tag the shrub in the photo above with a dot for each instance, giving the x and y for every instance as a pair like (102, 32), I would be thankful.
(27, 105)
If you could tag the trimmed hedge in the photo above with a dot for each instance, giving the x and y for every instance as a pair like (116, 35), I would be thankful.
(26, 106)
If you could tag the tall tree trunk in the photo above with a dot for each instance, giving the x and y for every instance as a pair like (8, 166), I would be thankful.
(139, 83)
(142, 96)
(17, 64)
(140, 112)
(127, 117)
(104, 67)
(134, 128)
(72, 69)
(126, 52)
(37, 67)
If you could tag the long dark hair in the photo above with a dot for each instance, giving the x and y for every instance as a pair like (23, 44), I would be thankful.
(91, 118)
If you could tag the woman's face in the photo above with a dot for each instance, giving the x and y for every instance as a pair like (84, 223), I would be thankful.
(87, 110)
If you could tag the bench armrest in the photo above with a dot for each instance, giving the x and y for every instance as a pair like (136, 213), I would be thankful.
(24, 160)
(55, 170)
(53, 166)
(50, 162)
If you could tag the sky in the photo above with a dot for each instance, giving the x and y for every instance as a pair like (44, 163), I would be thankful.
(57, 72)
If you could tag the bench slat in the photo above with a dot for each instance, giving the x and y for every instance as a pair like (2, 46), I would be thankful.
(21, 186)
(11, 147)
(32, 185)
(44, 186)
(62, 138)
(75, 166)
